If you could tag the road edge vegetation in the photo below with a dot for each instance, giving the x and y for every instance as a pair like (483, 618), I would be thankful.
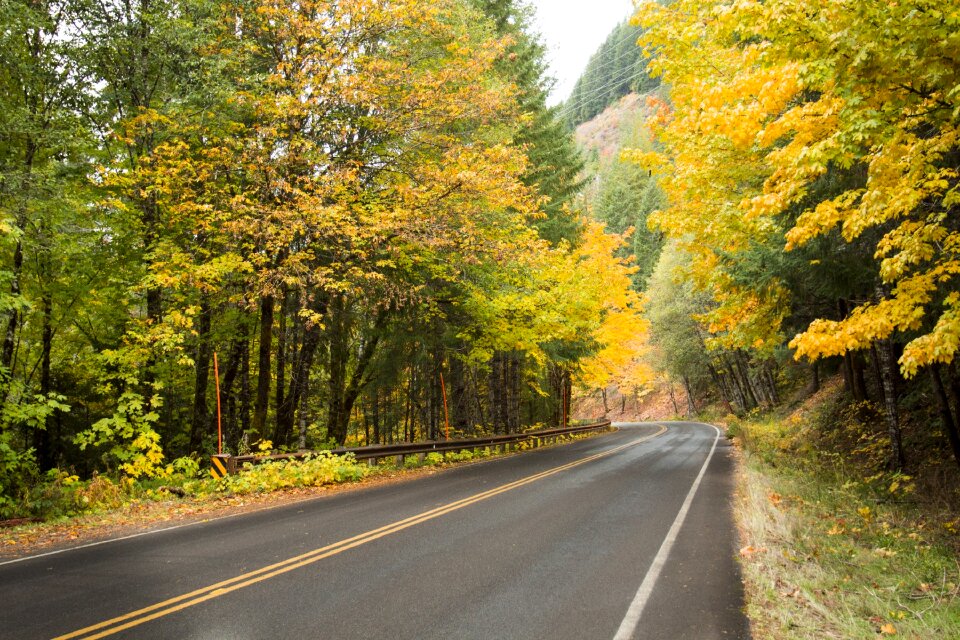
(830, 550)
(68, 510)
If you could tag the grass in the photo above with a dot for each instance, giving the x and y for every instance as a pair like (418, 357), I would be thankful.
(833, 548)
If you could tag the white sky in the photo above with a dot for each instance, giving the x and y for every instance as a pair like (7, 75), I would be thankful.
(572, 31)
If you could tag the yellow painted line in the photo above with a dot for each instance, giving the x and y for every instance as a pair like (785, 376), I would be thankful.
(178, 603)
(218, 470)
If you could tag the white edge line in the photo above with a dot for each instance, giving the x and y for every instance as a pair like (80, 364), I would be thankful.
(191, 524)
(632, 617)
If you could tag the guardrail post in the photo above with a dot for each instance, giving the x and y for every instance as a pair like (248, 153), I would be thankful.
(223, 464)
(398, 460)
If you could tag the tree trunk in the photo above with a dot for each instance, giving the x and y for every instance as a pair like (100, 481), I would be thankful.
(513, 386)
(741, 375)
(231, 421)
(459, 401)
(43, 440)
(302, 439)
(245, 391)
(337, 421)
(281, 436)
(848, 375)
(497, 400)
(300, 369)
(771, 382)
(875, 369)
(673, 399)
(263, 368)
(13, 323)
(946, 416)
(10, 335)
(201, 416)
(814, 385)
(375, 417)
(721, 386)
(859, 383)
(691, 405)
(344, 392)
(890, 403)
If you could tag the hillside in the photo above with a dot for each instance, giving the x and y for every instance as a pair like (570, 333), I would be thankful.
(602, 137)
(616, 69)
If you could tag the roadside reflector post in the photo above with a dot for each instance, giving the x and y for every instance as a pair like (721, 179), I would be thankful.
(223, 464)
(446, 413)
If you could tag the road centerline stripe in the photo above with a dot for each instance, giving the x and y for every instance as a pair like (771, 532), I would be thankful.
(632, 618)
(197, 596)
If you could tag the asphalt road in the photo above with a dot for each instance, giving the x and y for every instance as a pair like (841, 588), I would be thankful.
(626, 535)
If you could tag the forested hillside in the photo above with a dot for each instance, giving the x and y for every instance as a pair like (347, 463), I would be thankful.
(331, 211)
(616, 69)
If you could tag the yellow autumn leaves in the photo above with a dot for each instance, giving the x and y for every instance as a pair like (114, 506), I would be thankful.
(795, 120)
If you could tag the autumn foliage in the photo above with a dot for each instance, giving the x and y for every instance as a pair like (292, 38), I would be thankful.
(809, 153)
(340, 202)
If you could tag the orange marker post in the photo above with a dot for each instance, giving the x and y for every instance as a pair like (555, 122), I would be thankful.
(216, 377)
(446, 414)
(563, 394)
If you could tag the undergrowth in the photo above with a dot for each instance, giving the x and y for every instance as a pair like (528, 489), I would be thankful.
(836, 545)
(59, 495)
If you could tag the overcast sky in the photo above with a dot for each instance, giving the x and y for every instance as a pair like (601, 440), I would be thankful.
(572, 31)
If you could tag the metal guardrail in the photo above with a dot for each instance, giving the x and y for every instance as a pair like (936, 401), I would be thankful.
(226, 463)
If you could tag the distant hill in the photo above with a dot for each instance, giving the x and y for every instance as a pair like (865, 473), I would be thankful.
(602, 137)
(616, 69)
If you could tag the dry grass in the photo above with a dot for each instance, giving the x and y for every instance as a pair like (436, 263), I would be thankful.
(831, 550)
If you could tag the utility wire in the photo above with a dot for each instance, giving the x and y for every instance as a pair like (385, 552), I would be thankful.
(571, 108)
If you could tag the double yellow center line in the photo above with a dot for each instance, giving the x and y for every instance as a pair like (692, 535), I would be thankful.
(172, 605)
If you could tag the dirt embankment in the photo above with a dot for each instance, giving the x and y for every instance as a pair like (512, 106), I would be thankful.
(656, 405)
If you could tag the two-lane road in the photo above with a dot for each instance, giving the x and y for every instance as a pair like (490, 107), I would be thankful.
(627, 535)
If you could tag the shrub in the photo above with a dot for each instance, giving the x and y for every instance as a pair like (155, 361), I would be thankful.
(282, 474)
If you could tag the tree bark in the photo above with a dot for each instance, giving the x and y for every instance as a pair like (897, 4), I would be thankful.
(890, 403)
(814, 385)
(13, 322)
(513, 386)
(946, 416)
(771, 381)
(263, 367)
(497, 400)
(43, 440)
(201, 416)
(280, 436)
(302, 439)
(344, 392)
(859, 383)
(460, 404)
(300, 369)
(673, 399)
(721, 386)
(691, 405)
(245, 392)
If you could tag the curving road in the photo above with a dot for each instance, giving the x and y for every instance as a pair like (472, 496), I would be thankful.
(626, 535)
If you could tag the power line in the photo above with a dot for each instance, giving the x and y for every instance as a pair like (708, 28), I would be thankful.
(614, 61)
(570, 108)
